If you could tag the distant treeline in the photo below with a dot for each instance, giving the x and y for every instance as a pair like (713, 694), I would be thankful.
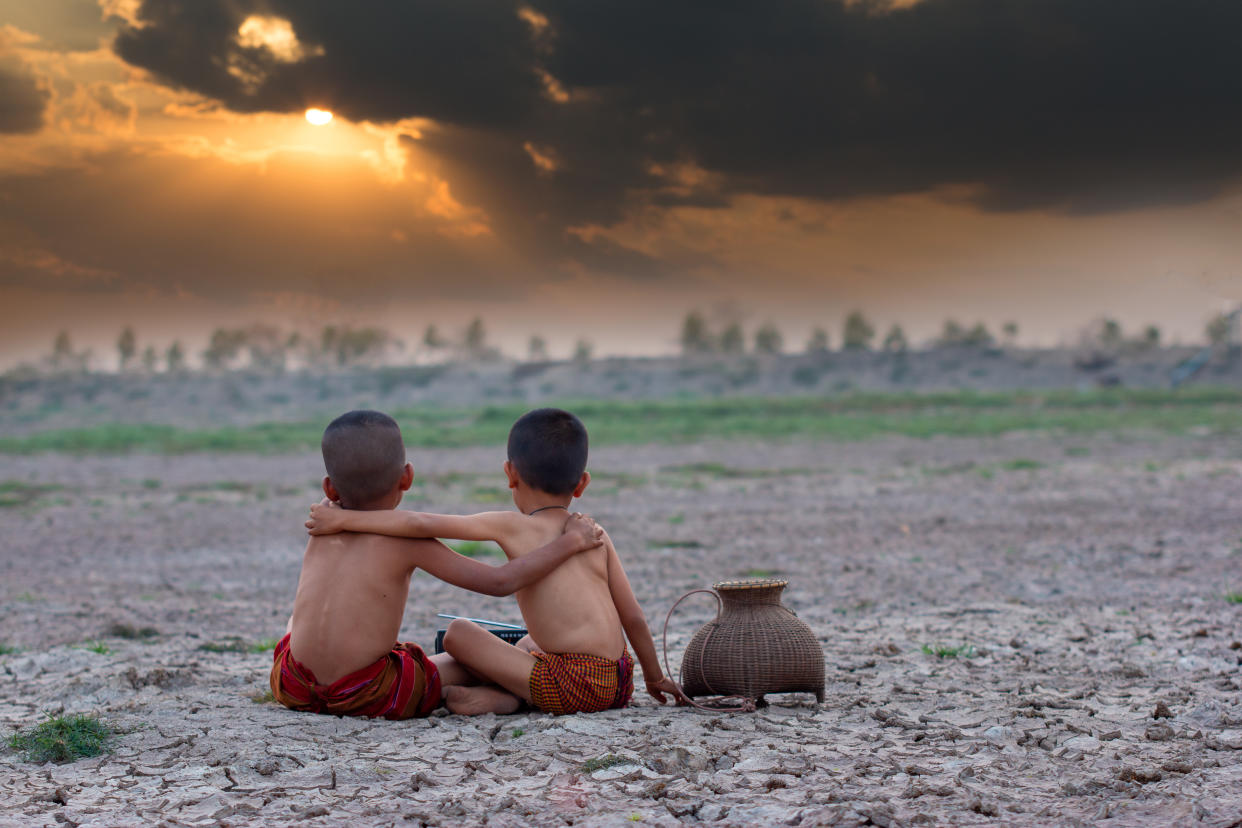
(264, 348)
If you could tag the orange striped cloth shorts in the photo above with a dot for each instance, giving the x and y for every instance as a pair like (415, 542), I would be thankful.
(580, 683)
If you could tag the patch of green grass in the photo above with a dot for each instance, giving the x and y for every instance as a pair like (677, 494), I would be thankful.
(986, 473)
(20, 493)
(621, 480)
(955, 468)
(226, 645)
(1151, 466)
(1021, 464)
(720, 470)
(262, 697)
(231, 486)
(488, 494)
(669, 543)
(1077, 451)
(761, 573)
(1234, 597)
(945, 651)
(263, 645)
(95, 647)
(62, 739)
(151, 483)
(476, 549)
(845, 416)
(27, 597)
(677, 519)
(517, 731)
(9, 649)
(608, 760)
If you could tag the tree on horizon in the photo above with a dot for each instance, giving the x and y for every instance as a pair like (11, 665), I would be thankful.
(126, 346)
(857, 333)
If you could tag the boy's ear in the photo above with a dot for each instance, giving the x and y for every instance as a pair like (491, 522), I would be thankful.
(512, 475)
(583, 482)
(407, 478)
(330, 491)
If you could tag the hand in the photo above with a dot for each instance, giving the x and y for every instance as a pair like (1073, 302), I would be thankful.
(326, 518)
(657, 689)
(586, 531)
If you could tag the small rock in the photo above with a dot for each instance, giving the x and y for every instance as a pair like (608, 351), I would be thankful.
(766, 762)
(998, 733)
(1159, 733)
(1139, 775)
(984, 808)
(1162, 711)
(626, 771)
(1226, 740)
(23, 669)
(1083, 744)
(1177, 766)
(1109, 735)
(1235, 645)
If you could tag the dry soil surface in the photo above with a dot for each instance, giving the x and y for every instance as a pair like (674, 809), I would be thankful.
(1081, 583)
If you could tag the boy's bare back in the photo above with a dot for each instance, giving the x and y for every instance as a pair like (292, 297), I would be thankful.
(350, 600)
(571, 610)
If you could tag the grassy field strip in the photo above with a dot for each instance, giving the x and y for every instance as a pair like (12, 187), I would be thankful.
(846, 417)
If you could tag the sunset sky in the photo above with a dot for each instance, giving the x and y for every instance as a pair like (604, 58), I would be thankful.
(596, 169)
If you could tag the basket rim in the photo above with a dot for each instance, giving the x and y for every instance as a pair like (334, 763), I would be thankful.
(751, 583)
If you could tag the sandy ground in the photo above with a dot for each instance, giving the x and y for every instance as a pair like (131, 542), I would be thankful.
(1091, 589)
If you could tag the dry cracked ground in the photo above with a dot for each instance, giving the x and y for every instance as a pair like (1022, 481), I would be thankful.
(1030, 630)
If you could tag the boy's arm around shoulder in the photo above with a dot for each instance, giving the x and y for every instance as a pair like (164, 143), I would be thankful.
(634, 622)
(581, 533)
(327, 518)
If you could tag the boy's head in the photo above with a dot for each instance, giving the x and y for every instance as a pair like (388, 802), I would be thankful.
(548, 452)
(365, 459)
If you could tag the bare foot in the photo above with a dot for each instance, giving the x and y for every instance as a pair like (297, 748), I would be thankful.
(475, 701)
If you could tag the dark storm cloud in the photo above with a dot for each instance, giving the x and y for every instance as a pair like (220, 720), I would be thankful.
(1063, 104)
(464, 63)
(22, 102)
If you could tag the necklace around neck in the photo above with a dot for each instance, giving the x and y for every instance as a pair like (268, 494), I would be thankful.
(545, 508)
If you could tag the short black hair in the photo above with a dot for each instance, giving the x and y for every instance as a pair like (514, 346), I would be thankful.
(548, 448)
(364, 455)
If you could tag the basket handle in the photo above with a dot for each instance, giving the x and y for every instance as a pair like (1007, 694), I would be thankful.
(744, 705)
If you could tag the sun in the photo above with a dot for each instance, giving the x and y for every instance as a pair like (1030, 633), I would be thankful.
(318, 117)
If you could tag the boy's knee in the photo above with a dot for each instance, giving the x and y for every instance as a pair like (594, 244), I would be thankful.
(458, 631)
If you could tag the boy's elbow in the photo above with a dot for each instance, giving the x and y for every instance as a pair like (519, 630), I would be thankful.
(633, 620)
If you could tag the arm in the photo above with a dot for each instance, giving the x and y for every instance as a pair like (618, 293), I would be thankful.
(634, 622)
(581, 533)
(326, 518)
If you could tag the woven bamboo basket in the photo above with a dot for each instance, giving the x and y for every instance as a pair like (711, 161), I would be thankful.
(756, 645)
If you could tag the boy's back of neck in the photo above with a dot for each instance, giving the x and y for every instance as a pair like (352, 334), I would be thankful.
(536, 509)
